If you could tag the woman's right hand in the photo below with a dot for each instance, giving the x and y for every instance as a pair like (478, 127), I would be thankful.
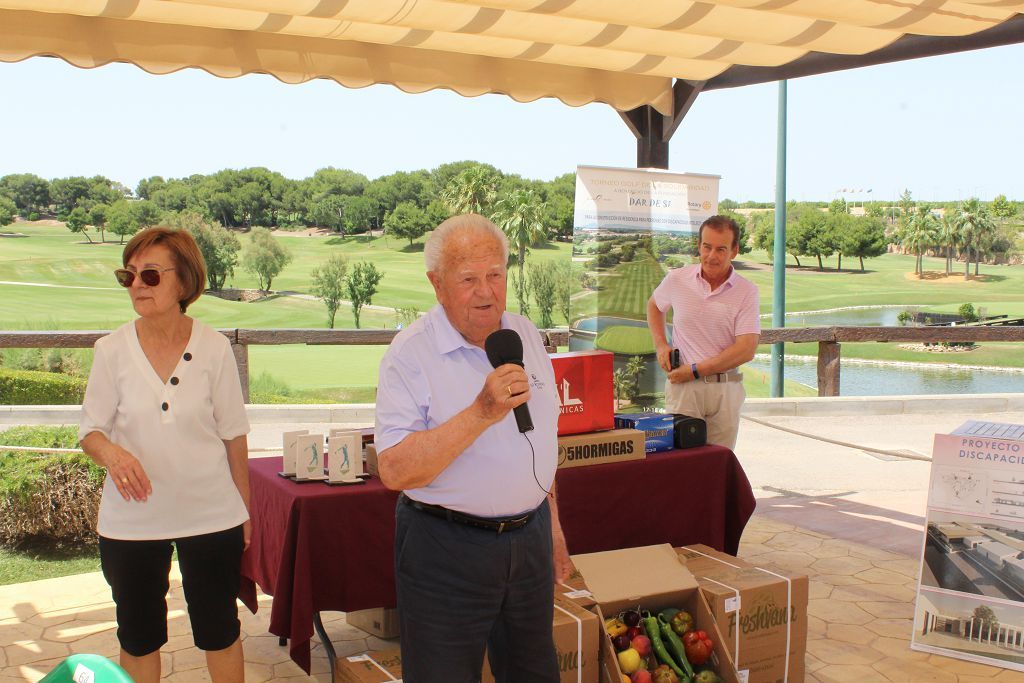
(127, 473)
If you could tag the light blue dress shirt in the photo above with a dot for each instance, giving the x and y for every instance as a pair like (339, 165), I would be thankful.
(428, 375)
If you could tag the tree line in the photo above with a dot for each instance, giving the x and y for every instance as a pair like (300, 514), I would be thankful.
(971, 230)
(339, 200)
(405, 205)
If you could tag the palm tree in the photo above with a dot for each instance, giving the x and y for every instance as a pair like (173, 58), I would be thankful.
(520, 214)
(471, 191)
(634, 368)
(919, 235)
(620, 382)
(976, 229)
(949, 238)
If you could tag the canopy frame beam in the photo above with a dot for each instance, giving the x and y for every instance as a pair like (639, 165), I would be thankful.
(908, 47)
(653, 130)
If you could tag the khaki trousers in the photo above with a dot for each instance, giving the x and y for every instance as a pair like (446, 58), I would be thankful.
(717, 403)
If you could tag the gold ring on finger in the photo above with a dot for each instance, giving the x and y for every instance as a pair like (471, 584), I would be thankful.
(124, 480)
(509, 389)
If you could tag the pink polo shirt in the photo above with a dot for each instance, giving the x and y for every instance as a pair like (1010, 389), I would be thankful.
(705, 323)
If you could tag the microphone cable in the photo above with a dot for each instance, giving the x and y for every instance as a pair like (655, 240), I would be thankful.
(533, 460)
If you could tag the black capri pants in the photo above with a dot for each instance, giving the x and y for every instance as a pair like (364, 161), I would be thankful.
(138, 575)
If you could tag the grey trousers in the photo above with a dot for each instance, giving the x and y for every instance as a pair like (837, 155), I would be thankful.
(462, 590)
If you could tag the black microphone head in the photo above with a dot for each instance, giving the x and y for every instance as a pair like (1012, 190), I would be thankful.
(504, 346)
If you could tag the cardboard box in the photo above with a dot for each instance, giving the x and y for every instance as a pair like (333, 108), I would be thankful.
(380, 622)
(649, 578)
(758, 610)
(658, 428)
(379, 666)
(597, 448)
(583, 382)
(576, 632)
(575, 589)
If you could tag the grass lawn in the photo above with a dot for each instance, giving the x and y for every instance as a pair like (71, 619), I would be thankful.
(626, 340)
(19, 566)
(625, 290)
(53, 255)
(889, 280)
(996, 354)
(758, 384)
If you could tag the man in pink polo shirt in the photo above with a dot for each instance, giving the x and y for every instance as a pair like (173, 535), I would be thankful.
(715, 327)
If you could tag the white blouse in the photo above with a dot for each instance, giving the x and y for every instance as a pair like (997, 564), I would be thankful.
(176, 430)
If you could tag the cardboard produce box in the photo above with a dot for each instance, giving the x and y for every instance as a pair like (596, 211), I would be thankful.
(575, 589)
(761, 613)
(649, 578)
(576, 631)
(586, 398)
(617, 445)
(381, 622)
(378, 666)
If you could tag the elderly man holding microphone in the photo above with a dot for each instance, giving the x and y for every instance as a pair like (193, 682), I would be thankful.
(478, 545)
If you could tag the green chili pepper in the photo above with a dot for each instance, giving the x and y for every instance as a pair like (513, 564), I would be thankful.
(672, 643)
(668, 613)
(651, 625)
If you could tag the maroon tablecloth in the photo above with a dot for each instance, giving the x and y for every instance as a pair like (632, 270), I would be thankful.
(319, 548)
(698, 495)
(316, 548)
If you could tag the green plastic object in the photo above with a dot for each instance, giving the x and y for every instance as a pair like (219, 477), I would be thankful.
(87, 669)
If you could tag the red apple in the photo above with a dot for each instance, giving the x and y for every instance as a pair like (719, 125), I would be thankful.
(633, 632)
(642, 676)
(641, 644)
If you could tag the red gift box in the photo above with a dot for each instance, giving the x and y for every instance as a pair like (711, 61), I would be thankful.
(583, 381)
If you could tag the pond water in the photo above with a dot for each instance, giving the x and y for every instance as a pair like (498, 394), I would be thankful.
(857, 379)
(863, 379)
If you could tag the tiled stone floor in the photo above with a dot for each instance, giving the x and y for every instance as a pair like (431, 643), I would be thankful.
(860, 610)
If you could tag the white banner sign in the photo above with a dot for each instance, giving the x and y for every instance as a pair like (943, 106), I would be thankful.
(637, 199)
(970, 600)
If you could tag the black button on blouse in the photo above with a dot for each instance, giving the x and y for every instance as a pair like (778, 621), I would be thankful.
(174, 381)
(187, 356)
(164, 406)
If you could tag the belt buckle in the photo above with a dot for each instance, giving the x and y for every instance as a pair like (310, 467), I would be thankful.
(501, 526)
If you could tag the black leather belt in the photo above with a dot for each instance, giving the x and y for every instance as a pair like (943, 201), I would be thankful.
(496, 525)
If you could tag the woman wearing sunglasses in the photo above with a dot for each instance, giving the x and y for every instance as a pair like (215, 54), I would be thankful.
(163, 413)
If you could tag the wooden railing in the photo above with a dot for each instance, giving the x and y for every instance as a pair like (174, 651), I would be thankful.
(829, 340)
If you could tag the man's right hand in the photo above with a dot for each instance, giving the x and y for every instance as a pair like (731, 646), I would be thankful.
(505, 388)
(664, 351)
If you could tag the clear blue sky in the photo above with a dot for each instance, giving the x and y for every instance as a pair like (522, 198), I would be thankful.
(944, 127)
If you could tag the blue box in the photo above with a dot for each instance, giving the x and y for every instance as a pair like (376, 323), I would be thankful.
(658, 429)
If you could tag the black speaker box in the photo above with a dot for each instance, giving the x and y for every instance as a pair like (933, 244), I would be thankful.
(690, 432)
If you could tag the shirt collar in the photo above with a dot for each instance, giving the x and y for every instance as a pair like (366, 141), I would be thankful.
(447, 337)
(729, 281)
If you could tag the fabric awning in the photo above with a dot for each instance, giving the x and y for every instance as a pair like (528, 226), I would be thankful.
(625, 54)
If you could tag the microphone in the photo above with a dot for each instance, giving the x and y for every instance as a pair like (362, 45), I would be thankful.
(505, 346)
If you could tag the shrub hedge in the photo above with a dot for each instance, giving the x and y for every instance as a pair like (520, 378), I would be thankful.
(47, 497)
(32, 388)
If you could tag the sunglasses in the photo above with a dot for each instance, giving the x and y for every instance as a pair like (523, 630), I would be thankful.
(149, 276)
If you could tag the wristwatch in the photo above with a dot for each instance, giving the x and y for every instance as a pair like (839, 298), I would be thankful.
(693, 369)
